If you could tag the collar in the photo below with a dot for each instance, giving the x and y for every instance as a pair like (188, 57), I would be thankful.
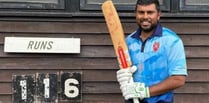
(157, 32)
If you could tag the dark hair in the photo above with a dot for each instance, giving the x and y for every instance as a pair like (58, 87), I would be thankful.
(147, 2)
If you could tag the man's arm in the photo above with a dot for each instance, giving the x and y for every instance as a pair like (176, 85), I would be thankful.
(170, 83)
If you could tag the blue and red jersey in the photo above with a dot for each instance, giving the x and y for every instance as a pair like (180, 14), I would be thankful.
(158, 57)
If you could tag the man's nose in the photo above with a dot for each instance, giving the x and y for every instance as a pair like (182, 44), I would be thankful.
(145, 15)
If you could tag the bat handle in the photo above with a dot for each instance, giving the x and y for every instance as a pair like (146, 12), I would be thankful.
(135, 100)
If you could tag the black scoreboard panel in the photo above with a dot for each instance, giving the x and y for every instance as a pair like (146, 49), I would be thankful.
(23, 89)
(47, 88)
(71, 87)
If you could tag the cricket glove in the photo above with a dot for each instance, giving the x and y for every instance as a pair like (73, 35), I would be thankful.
(124, 76)
(135, 90)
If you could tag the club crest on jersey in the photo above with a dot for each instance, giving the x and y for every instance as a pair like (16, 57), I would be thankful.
(156, 46)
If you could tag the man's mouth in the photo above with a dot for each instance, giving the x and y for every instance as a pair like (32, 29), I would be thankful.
(145, 23)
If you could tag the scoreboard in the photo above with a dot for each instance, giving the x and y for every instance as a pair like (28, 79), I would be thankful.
(44, 88)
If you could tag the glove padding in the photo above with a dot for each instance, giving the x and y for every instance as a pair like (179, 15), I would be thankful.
(125, 75)
(135, 90)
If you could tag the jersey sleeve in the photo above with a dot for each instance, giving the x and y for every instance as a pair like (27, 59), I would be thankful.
(176, 58)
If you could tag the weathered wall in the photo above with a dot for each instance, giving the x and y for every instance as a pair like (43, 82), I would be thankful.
(97, 60)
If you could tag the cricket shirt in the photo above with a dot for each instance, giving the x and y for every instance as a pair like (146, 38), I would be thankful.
(158, 57)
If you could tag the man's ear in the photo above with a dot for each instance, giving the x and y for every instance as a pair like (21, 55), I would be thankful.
(159, 15)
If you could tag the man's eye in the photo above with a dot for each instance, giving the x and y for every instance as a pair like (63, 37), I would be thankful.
(150, 12)
(140, 12)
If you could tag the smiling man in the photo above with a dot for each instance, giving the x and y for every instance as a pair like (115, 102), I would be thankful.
(158, 57)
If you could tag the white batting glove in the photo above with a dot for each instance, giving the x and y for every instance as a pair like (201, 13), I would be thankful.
(135, 90)
(124, 76)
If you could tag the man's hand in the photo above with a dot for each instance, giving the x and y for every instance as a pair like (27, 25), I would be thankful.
(135, 90)
(125, 75)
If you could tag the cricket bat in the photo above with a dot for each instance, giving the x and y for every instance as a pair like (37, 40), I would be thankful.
(117, 35)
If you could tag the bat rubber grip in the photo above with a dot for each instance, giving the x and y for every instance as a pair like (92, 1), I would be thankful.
(122, 57)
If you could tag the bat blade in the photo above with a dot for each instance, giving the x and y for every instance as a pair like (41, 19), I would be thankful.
(117, 34)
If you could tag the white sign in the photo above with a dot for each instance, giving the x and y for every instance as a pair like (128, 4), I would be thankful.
(41, 45)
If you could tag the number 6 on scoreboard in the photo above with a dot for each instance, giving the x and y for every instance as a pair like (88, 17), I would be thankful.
(71, 86)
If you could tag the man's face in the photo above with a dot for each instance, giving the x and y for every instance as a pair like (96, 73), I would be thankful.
(147, 17)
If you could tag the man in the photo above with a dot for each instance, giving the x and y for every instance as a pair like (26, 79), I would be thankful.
(158, 57)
